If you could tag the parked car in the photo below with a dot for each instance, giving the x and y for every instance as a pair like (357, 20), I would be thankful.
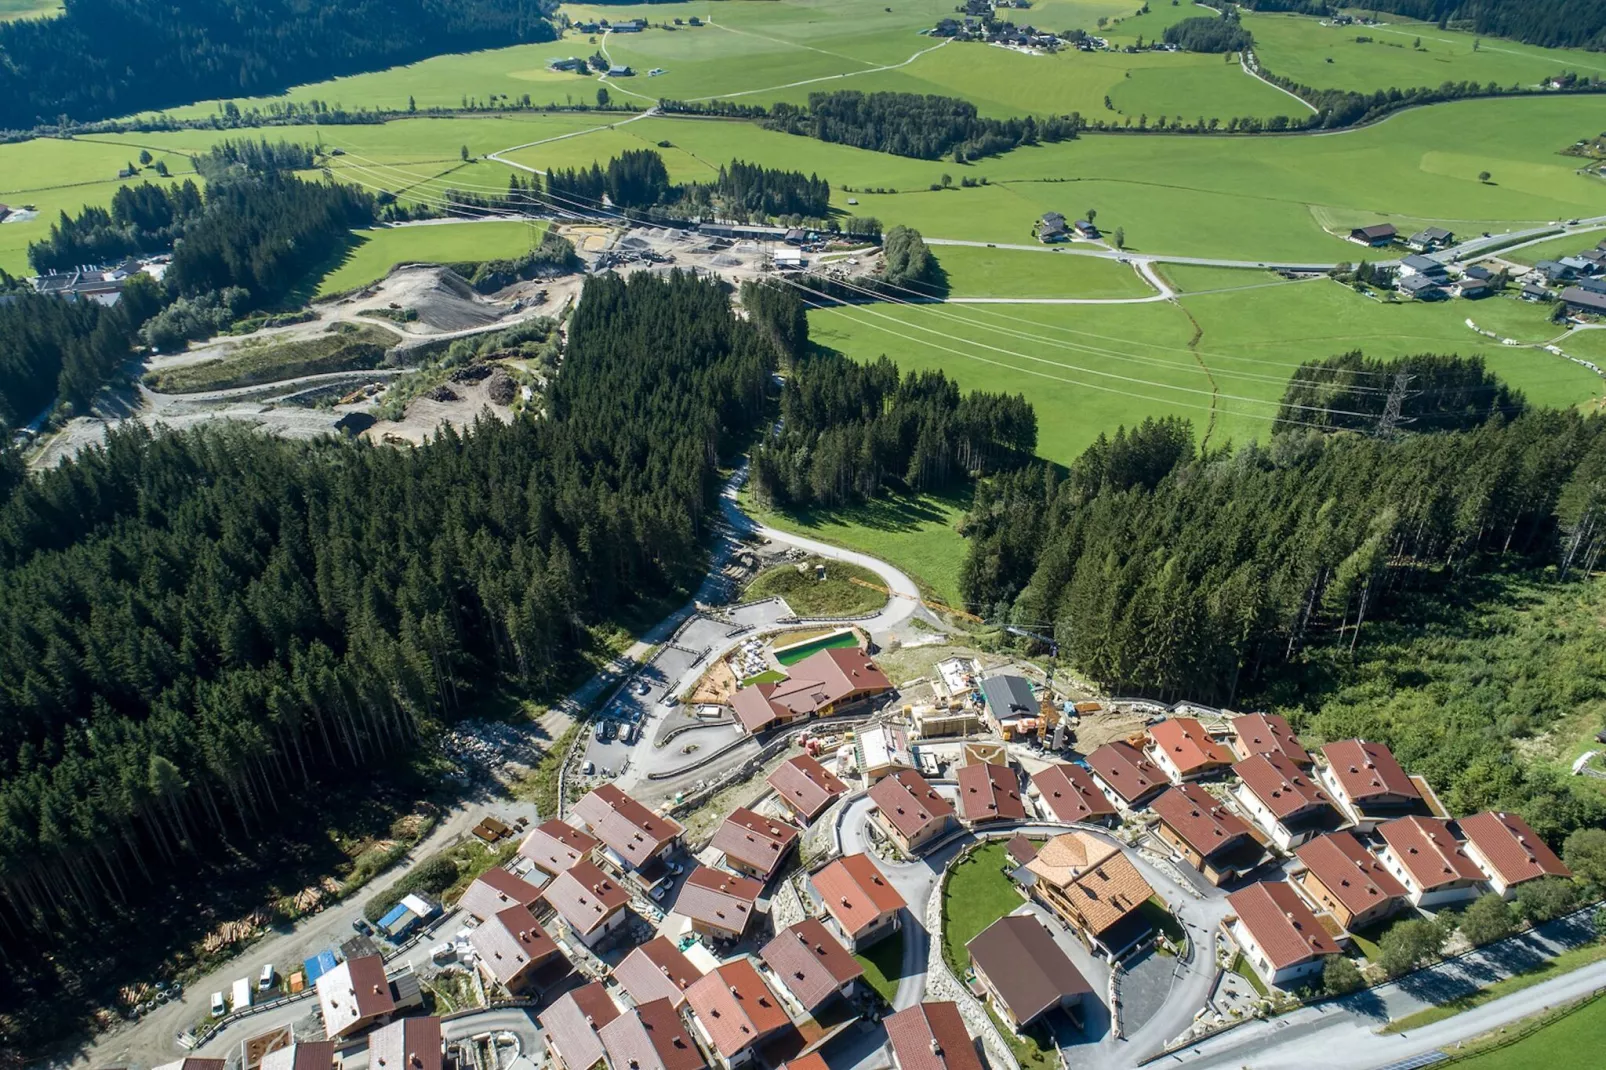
(588, 768)
(361, 925)
(266, 978)
(219, 1008)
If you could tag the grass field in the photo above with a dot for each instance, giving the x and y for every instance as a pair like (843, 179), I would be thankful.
(978, 272)
(883, 965)
(978, 893)
(28, 9)
(834, 596)
(1556, 248)
(1556, 1043)
(375, 252)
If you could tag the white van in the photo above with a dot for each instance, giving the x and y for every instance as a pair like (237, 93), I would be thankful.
(266, 978)
(219, 1008)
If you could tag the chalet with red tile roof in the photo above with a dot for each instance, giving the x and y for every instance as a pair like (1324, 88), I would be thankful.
(1125, 776)
(656, 970)
(590, 903)
(1284, 800)
(408, 1044)
(719, 905)
(911, 811)
(1367, 782)
(810, 964)
(1424, 855)
(572, 1026)
(1185, 751)
(1343, 878)
(806, 787)
(354, 995)
(1282, 940)
(514, 950)
(734, 1012)
(989, 792)
(1204, 832)
(931, 1036)
(554, 846)
(1508, 851)
(1267, 733)
(633, 837)
(821, 685)
(1068, 793)
(860, 900)
(755, 845)
(651, 1036)
(494, 890)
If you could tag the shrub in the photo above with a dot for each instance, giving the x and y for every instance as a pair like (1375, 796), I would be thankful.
(1340, 976)
(1547, 898)
(1408, 945)
(432, 876)
(1488, 919)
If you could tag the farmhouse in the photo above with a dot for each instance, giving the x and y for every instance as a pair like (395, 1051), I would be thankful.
(1127, 778)
(1284, 801)
(822, 684)
(513, 949)
(754, 845)
(1584, 300)
(718, 905)
(650, 1036)
(1532, 291)
(1185, 751)
(989, 792)
(811, 965)
(1434, 867)
(572, 1025)
(931, 1036)
(411, 1043)
(1367, 783)
(734, 1012)
(632, 836)
(656, 971)
(1024, 972)
(1378, 234)
(1430, 238)
(1345, 879)
(1280, 937)
(859, 899)
(1263, 733)
(572, 63)
(1506, 849)
(806, 787)
(1210, 837)
(1086, 230)
(495, 890)
(1417, 264)
(554, 846)
(1554, 270)
(1094, 887)
(620, 71)
(1067, 793)
(589, 902)
(1051, 228)
(1472, 289)
(354, 995)
(1479, 272)
(911, 810)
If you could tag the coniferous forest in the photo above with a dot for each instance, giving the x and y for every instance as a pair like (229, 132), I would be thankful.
(196, 623)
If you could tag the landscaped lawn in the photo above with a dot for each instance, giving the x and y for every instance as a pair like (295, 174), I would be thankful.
(1559, 1043)
(835, 596)
(377, 251)
(883, 965)
(1241, 967)
(978, 893)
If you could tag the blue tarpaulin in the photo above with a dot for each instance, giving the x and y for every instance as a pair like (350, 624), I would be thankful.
(318, 965)
(399, 920)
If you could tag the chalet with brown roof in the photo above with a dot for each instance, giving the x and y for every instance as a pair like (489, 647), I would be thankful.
(514, 950)
(354, 995)
(1125, 776)
(494, 890)
(734, 1012)
(821, 685)
(1267, 733)
(1284, 800)
(554, 846)
(988, 793)
(632, 836)
(1508, 851)
(1095, 888)
(911, 811)
(718, 905)
(408, 1044)
(193, 1063)
(806, 787)
(810, 964)
(651, 1036)
(1281, 938)
(1068, 793)
(1206, 834)
(572, 1026)
(656, 970)
(1367, 782)
(1185, 751)
(1024, 972)
(860, 900)
(755, 845)
(304, 1055)
(1424, 855)
(590, 903)
(1343, 878)
(931, 1036)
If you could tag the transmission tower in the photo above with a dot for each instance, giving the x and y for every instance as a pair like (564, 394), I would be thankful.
(1391, 419)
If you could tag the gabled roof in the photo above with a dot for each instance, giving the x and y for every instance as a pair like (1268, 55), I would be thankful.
(1376, 230)
(806, 785)
(556, 845)
(1007, 696)
(1095, 877)
(497, 889)
(573, 1023)
(1356, 877)
(1281, 924)
(585, 897)
(722, 900)
(1281, 786)
(656, 970)
(807, 959)
(1366, 771)
(353, 992)
(1429, 853)
(1577, 295)
(1511, 848)
(931, 1036)
(909, 802)
(1070, 794)
(822, 679)
(1425, 264)
(1128, 773)
(634, 832)
(735, 1007)
(1026, 967)
(304, 1055)
(1268, 733)
(1188, 746)
(990, 792)
(755, 840)
(1203, 822)
(650, 1037)
(855, 892)
(510, 942)
(408, 1044)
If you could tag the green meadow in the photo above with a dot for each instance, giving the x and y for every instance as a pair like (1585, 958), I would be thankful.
(1556, 248)
(977, 272)
(375, 252)
(28, 9)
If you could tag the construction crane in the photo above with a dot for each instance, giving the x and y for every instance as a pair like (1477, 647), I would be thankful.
(933, 604)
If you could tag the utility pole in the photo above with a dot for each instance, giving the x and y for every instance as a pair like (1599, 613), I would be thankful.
(1391, 419)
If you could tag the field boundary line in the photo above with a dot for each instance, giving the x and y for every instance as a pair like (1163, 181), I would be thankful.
(1254, 72)
(823, 78)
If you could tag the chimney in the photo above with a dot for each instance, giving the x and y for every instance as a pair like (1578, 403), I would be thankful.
(936, 1048)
